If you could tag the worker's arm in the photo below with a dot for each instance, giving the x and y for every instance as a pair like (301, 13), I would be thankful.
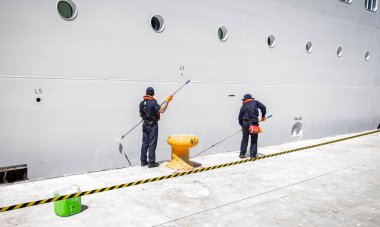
(263, 110)
(240, 118)
(166, 104)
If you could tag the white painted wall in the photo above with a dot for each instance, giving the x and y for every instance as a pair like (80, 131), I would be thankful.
(93, 72)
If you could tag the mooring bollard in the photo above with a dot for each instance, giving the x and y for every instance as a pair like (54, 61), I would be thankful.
(180, 159)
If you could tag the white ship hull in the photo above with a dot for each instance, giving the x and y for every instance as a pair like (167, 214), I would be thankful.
(91, 73)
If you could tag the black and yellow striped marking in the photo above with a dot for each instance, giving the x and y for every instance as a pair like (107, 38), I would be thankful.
(39, 202)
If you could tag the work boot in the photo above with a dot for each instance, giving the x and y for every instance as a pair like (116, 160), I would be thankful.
(153, 165)
(253, 155)
(144, 163)
(241, 156)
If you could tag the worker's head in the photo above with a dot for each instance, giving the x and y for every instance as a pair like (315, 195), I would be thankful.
(150, 91)
(247, 96)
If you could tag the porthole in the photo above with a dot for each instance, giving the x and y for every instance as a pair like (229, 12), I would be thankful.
(309, 47)
(371, 5)
(297, 129)
(367, 55)
(271, 40)
(158, 23)
(339, 51)
(67, 9)
(222, 33)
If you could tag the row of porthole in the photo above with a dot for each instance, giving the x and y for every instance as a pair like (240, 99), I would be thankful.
(339, 50)
(370, 5)
(68, 11)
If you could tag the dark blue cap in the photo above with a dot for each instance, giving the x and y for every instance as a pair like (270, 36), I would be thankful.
(150, 91)
(247, 96)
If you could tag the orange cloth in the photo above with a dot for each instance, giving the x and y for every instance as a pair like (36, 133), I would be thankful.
(247, 100)
(148, 97)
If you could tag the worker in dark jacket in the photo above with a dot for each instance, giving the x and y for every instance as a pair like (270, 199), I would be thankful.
(150, 113)
(249, 115)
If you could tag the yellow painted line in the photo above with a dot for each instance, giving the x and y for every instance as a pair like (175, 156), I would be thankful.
(43, 201)
(55, 199)
(108, 188)
(97, 191)
(66, 197)
(3, 209)
(18, 206)
(34, 203)
(30, 204)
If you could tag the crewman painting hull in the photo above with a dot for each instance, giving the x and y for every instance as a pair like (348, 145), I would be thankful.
(90, 72)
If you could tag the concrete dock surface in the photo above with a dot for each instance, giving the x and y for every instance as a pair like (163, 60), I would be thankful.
(332, 185)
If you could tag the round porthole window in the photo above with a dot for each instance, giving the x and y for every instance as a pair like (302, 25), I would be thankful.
(297, 129)
(309, 47)
(271, 40)
(158, 23)
(367, 55)
(67, 9)
(339, 51)
(222, 33)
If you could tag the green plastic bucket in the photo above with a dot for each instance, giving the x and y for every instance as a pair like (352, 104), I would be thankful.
(67, 207)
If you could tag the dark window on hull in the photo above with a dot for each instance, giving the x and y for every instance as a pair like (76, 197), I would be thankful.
(339, 51)
(271, 41)
(309, 46)
(12, 174)
(67, 9)
(297, 129)
(222, 33)
(157, 22)
(346, 1)
(371, 5)
(367, 55)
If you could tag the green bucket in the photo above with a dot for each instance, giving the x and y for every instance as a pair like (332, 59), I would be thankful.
(67, 207)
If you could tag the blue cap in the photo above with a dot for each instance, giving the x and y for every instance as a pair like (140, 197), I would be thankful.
(150, 91)
(247, 96)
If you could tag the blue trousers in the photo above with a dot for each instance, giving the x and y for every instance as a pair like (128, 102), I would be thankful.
(149, 142)
(244, 141)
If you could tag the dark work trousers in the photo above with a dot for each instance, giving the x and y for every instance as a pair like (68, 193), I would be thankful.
(244, 141)
(149, 142)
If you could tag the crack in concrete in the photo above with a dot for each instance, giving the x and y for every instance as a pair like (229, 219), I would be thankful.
(263, 193)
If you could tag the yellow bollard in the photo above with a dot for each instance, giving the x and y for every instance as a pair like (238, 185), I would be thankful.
(180, 151)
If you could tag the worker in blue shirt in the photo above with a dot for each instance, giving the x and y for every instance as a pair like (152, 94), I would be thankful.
(249, 115)
(150, 113)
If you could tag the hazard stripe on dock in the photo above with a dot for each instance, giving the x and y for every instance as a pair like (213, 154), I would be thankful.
(130, 184)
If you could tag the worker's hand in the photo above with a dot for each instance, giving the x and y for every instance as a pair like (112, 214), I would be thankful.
(263, 119)
(169, 98)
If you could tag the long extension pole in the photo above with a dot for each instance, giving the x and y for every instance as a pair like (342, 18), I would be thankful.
(223, 140)
(119, 140)
(187, 82)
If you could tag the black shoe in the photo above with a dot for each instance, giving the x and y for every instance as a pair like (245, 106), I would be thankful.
(241, 156)
(144, 163)
(153, 165)
(252, 156)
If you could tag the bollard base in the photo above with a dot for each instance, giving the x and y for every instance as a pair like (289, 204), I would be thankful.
(180, 163)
